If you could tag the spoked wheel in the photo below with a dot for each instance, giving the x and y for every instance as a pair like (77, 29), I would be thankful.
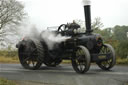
(110, 57)
(81, 60)
(61, 28)
(31, 54)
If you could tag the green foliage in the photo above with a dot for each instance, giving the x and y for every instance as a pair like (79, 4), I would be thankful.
(120, 33)
(4, 81)
(117, 37)
(8, 53)
(122, 49)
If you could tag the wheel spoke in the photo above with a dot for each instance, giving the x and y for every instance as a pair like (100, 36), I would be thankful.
(26, 59)
(80, 67)
(109, 51)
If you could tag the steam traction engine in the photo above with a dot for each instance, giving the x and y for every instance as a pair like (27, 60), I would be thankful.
(80, 48)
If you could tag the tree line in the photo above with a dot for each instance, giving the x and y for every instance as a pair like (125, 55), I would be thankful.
(117, 36)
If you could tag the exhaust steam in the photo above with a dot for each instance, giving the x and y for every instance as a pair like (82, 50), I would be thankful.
(51, 38)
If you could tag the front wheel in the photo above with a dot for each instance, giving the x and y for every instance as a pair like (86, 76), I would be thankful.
(111, 61)
(81, 60)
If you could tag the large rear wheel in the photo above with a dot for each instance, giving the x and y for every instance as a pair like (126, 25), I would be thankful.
(31, 54)
(81, 60)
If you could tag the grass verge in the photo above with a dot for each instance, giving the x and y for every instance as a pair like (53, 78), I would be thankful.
(4, 81)
(122, 61)
(66, 62)
(4, 59)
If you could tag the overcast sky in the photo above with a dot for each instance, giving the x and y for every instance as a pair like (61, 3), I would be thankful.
(46, 13)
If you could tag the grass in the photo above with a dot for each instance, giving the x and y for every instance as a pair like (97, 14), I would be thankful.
(125, 83)
(4, 59)
(4, 81)
(119, 61)
(66, 61)
(122, 61)
(8, 56)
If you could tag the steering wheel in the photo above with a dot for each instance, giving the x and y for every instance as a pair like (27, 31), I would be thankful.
(62, 28)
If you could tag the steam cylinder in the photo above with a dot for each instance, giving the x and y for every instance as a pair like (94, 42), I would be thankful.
(87, 12)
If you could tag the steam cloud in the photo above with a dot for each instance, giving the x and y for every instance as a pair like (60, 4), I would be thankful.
(50, 37)
(86, 2)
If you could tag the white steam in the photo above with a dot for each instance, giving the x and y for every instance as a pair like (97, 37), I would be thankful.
(51, 38)
(33, 33)
(86, 2)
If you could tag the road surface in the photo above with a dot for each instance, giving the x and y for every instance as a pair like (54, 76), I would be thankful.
(65, 75)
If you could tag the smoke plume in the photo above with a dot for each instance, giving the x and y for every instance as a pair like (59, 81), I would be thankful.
(51, 38)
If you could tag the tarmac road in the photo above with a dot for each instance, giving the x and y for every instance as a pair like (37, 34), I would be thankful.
(65, 75)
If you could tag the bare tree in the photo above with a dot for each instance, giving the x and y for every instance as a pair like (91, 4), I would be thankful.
(11, 15)
(97, 24)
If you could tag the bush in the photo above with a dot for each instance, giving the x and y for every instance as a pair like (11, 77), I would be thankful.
(6, 53)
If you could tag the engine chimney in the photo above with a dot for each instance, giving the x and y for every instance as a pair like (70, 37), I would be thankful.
(87, 11)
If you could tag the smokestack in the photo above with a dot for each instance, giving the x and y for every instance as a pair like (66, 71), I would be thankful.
(87, 11)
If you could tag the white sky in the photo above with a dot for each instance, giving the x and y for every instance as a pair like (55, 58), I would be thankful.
(46, 13)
